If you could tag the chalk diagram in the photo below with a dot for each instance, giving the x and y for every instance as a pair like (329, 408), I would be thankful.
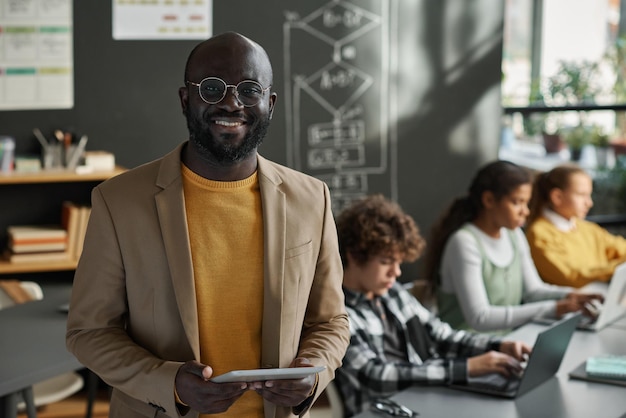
(340, 114)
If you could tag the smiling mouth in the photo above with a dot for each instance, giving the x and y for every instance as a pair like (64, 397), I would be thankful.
(228, 123)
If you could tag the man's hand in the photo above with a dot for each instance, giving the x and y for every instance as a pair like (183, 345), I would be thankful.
(288, 392)
(194, 389)
(507, 361)
(517, 349)
(493, 362)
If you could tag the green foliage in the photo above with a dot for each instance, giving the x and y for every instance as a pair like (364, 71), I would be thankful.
(616, 57)
(609, 189)
(573, 83)
(598, 137)
(578, 136)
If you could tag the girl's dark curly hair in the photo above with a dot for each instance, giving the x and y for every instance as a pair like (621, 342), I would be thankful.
(375, 226)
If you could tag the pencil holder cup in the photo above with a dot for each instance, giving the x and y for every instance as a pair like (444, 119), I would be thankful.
(52, 156)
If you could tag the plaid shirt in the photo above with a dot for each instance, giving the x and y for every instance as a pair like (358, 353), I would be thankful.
(366, 374)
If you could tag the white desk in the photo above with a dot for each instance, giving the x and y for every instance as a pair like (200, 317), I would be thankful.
(560, 397)
(620, 323)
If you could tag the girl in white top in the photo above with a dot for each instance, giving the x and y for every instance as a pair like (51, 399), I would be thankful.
(479, 262)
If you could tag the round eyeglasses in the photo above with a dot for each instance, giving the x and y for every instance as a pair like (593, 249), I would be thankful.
(213, 90)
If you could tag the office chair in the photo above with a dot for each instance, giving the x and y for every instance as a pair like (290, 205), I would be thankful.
(50, 390)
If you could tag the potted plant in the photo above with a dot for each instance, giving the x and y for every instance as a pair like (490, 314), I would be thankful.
(542, 124)
(576, 138)
(573, 83)
(601, 144)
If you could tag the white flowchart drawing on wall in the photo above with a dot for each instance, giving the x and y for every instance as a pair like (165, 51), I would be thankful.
(340, 102)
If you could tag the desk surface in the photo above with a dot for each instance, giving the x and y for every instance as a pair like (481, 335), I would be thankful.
(32, 342)
(620, 323)
(560, 397)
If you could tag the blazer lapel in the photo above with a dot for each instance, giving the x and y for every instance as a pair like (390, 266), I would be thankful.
(274, 222)
(170, 203)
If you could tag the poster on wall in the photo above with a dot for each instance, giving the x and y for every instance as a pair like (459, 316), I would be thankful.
(36, 54)
(162, 19)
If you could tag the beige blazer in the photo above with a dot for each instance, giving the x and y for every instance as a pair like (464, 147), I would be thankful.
(133, 317)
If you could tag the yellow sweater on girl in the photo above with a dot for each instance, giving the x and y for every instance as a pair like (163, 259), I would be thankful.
(576, 257)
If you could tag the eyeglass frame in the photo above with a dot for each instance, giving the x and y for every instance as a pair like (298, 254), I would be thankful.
(227, 86)
(390, 407)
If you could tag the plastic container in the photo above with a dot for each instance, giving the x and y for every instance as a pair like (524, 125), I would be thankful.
(7, 153)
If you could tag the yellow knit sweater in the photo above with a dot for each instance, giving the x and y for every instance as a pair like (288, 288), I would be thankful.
(226, 235)
(577, 257)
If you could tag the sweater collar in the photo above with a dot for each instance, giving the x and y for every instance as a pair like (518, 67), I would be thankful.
(558, 221)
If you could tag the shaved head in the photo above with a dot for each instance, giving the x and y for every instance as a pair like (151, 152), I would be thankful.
(230, 44)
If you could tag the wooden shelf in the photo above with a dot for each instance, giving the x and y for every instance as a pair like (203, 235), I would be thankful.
(57, 176)
(9, 268)
(46, 177)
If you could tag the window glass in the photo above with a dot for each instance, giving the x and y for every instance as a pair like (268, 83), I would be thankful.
(564, 91)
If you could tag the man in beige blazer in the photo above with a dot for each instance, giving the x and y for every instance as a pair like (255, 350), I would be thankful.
(152, 309)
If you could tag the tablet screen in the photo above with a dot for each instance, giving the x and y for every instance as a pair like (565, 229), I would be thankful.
(258, 375)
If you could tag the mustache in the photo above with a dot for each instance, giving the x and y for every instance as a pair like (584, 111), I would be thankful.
(236, 114)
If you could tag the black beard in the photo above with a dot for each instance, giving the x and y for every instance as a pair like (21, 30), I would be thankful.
(211, 149)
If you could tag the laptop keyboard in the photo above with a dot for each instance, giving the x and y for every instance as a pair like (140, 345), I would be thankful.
(495, 381)
(595, 308)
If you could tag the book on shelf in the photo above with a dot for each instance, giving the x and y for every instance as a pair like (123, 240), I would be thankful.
(41, 257)
(83, 219)
(74, 219)
(39, 243)
(35, 232)
(70, 220)
(33, 238)
(37, 247)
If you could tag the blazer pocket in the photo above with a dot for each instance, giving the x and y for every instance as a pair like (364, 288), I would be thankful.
(300, 249)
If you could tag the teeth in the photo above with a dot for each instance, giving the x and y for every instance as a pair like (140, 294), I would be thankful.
(225, 123)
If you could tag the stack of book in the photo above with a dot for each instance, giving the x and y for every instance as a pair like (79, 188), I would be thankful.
(43, 243)
(32, 243)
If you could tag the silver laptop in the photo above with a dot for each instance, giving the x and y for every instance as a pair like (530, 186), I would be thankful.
(614, 306)
(543, 363)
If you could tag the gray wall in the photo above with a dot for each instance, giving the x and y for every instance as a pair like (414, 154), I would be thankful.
(444, 70)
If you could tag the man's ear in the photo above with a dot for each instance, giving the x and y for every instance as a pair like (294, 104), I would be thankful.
(273, 97)
(183, 95)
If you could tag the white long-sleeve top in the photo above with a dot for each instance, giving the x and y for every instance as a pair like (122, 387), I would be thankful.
(461, 274)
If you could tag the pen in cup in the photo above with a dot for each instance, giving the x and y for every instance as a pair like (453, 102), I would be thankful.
(42, 140)
(77, 153)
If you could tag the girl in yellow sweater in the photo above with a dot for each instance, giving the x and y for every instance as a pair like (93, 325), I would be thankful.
(567, 249)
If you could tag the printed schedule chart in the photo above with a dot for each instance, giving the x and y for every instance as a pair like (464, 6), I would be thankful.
(36, 54)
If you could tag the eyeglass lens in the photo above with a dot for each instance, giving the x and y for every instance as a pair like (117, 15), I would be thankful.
(213, 90)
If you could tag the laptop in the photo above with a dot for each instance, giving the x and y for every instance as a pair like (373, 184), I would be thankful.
(614, 306)
(544, 361)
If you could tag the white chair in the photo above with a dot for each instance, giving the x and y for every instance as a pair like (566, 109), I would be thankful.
(50, 390)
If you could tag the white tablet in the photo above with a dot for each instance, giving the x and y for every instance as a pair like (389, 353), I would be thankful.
(258, 375)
